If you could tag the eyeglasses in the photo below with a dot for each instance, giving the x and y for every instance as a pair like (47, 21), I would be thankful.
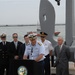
(15, 37)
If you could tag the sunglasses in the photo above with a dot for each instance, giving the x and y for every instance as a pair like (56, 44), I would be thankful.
(15, 37)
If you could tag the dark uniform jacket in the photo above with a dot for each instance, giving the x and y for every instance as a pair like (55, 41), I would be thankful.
(4, 53)
(13, 50)
(62, 58)
(21, 51)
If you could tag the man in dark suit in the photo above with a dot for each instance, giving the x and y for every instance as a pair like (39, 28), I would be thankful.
(4, 55)
(14, 47)
(62, 53)
(23, 46)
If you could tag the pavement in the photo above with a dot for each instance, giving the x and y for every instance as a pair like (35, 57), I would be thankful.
(71, 69)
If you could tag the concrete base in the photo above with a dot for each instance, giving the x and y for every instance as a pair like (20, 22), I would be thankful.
(71, 69)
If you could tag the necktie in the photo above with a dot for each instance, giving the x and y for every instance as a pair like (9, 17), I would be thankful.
(4, 43)
(32, 53)
(60, 47)
(16, 45)
(31, 50)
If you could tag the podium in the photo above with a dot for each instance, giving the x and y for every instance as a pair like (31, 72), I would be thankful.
(25, 67)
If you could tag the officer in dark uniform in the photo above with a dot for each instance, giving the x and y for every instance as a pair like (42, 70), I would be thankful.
(4, 55)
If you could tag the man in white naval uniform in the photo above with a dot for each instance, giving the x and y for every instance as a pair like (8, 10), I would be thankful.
(35, 51)
(48, 51)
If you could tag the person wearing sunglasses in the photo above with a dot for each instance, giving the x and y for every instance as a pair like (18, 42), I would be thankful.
(48, 51)
(15, 46)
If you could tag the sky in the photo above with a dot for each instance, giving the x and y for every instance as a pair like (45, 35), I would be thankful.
(13, 12)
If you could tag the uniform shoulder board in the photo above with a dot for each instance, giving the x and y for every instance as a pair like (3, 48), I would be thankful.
(39, 43)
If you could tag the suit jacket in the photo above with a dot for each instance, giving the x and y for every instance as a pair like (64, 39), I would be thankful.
(4, 52)
(62, 55)
(13, 50)
(21, 51)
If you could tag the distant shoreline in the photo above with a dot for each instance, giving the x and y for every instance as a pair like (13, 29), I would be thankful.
(24, 25)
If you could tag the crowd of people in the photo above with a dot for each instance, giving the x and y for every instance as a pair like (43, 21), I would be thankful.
(32, 49)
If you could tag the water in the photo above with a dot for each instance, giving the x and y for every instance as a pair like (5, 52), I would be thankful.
(22, 30)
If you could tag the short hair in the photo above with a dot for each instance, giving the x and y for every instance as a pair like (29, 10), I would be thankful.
(26, 35)
(15, 33)
(61, 38)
